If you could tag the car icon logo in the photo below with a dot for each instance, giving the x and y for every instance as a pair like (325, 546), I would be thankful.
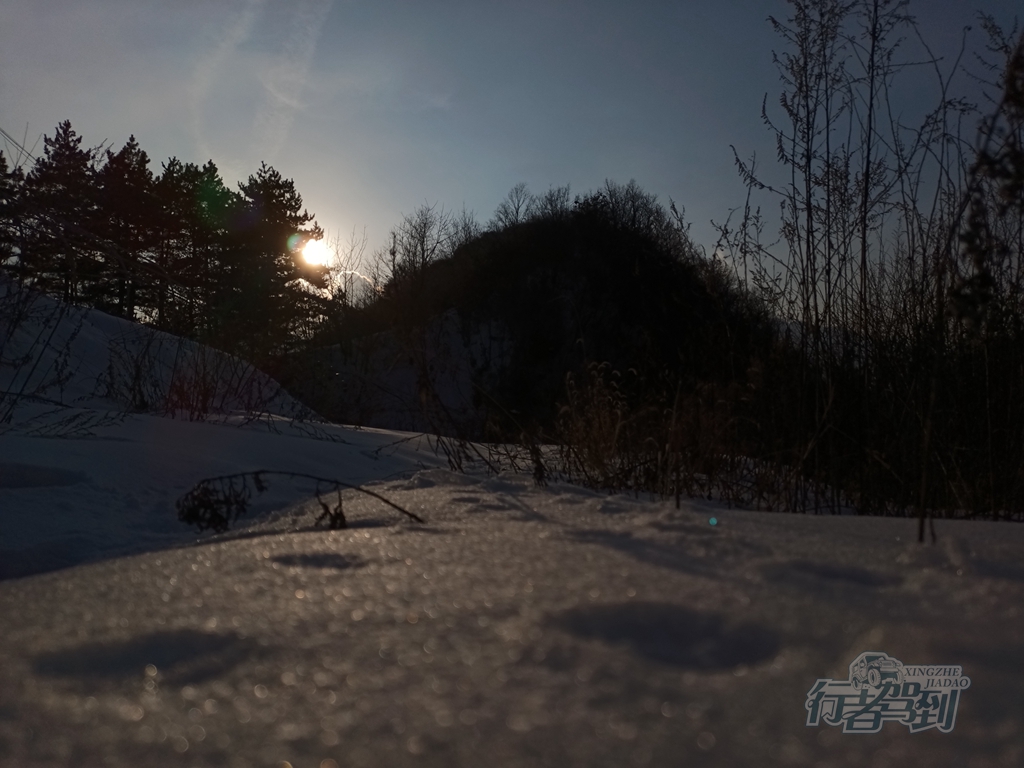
(875, 670)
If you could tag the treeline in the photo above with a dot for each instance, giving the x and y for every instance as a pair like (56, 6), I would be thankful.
(178, 249)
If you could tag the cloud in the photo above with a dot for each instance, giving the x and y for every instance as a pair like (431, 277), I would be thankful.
(237, 33)
(286, 79)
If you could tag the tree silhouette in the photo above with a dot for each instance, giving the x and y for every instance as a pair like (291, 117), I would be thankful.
(517, 207)
(194, 208)
(61, 193)
(262, 297)
(128, 219)
(180, 251)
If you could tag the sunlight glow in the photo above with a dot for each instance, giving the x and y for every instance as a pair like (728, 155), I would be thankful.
(316, 252)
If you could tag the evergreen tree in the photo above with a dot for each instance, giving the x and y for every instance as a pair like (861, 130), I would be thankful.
(264, 299)
(60, 205)
(194, 204)
(180, 251)
(128, 221)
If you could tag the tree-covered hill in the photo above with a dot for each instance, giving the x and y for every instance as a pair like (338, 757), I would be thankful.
(612, 278)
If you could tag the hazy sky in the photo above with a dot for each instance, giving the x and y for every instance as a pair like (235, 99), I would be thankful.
(376, 107)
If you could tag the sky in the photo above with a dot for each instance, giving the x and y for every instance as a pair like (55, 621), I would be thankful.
(377, 108)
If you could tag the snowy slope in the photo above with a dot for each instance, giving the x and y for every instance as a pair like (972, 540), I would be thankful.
(56, 355)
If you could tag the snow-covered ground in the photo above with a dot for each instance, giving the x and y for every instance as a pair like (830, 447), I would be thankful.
(66, 500)
(518, 626)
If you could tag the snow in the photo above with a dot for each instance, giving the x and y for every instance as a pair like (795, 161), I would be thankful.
(69, 500)
(519, 626)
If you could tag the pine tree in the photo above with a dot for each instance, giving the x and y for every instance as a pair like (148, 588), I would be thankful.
(194, 206)
(264, 297)
(60, 205)
(128, 221)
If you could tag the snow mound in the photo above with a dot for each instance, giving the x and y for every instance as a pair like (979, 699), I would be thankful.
(112, 491)
(52, 354)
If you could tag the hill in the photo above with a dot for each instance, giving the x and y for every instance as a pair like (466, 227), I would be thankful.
(481, 342)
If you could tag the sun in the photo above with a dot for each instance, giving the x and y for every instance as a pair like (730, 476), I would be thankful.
(316, 252)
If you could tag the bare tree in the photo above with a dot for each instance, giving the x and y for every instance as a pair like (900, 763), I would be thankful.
(424, 236)
(556, 203)
(465, 229)
(517, 208)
